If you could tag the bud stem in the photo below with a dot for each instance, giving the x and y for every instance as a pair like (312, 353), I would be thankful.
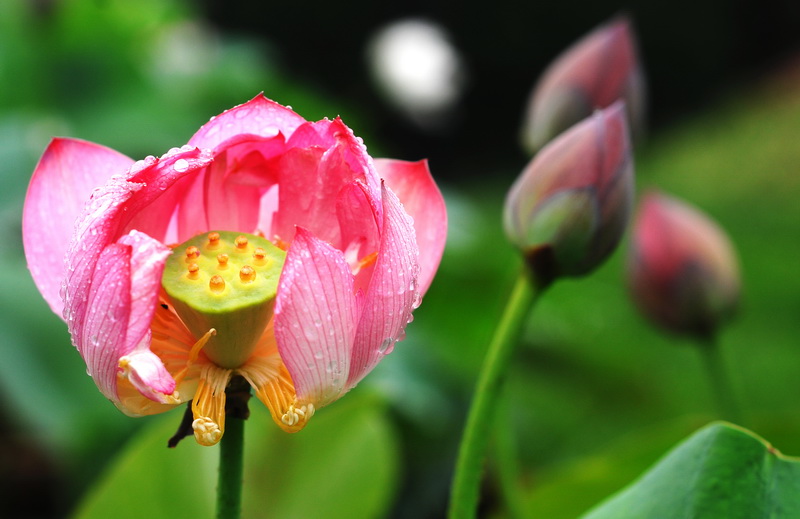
(481, 417)
(720, 384)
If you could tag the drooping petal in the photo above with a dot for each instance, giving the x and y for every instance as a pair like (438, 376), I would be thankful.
(315, 318)
(259, 116)
(61, 184)
(414, 186)
(392, 293)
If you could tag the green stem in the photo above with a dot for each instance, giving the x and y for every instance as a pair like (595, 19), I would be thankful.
(231, 463)
(720, 384)
(507, 462)
(231, 453)
(469, 466)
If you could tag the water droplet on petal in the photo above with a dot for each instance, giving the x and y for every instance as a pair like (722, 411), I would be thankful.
(181, 165)
(386, 346)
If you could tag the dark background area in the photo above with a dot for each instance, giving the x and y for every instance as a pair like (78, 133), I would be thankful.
(692, 52)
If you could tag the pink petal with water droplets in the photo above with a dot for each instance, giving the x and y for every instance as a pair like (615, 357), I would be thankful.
(124, 292)
(148, 257)
(414, 186)
(106, 219)
(100, 334)
(315, 318)
(259, 116)
(392, 293)
(61, 184)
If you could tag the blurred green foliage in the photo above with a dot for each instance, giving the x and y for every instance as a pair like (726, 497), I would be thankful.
(594, 396)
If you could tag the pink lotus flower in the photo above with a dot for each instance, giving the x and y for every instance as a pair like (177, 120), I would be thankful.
(303, 316)
(568, 209)
(598, 70)
(682, 270)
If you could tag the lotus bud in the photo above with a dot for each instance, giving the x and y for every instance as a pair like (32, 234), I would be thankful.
(595, 72)
(682, 270)
(569, 207)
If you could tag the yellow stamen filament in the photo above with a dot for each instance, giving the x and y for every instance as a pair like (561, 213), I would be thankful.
(213, 240)
(222, 261)
(241, 242)
(274, 388)
(217, 284)
(192, 252)
(193, 271)
(194, 353)
(208, 405)
(247, 274)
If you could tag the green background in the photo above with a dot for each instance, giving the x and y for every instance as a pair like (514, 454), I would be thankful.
(595, 395)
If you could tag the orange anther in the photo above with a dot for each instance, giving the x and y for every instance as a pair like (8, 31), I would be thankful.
(193, 270)
(259, 255)
(247, 274)
(192, 252)
(222, 259)
(241, 242)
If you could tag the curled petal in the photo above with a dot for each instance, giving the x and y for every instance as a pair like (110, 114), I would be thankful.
(61, 184)
(414, 186)
(259, 116)
(315, 318)
(393, 291)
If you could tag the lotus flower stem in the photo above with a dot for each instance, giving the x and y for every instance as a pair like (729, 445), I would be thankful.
(481, 417)
(231, 454)
(718, 378)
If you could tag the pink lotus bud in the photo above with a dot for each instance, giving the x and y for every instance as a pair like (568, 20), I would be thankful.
(594, 73)
(682, 269)
(569, 208)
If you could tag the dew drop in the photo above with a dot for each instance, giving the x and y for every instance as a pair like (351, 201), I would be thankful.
(180, 165)
(386, 346)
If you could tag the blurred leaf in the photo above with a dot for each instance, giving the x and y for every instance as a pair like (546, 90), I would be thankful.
(720, 471)
(345, 463)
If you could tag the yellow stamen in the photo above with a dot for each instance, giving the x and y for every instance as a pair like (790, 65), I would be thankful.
(273, 386)
(208, 405)
(193, 354)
